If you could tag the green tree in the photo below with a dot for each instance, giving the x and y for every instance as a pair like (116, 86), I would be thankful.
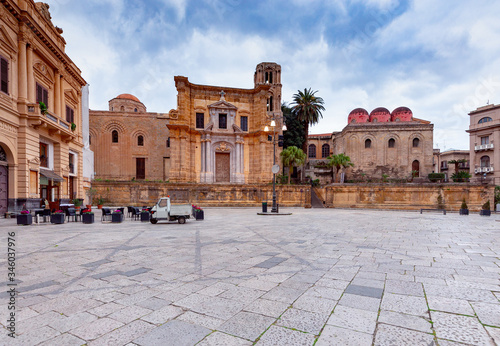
(457, 162)
(307, 107)
(294, 135)
(292, 156)
(339, 161)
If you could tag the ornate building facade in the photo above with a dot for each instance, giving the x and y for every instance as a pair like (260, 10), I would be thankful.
(40, 151)
(214, 136)
(378, 143)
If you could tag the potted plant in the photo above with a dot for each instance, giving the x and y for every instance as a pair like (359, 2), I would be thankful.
(145, 215)
(73, 127)
(57, 217)
(117, 216)
(87, 216)
(464, 210)
(90, 193)
(43, 108)
(24, 218)
(198, 212)
(78, 203)
(100, 202)
(485, 209)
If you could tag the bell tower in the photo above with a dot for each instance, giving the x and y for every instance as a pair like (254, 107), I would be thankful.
(270, 73)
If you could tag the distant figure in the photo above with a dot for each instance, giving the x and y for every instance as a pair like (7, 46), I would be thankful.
(46, 203)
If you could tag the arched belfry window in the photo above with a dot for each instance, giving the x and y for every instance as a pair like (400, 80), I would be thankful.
(114, 136)
(416, 142)
(392, 143)
(140, 141)
(368, 143)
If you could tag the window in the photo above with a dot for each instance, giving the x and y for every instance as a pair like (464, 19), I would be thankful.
(135, 110)
(71, 163)
(3, 154)
(4, 75)
(444, 164)
(114, 136)
(44, 155)
(312, 151)
(416, 142)
(70, 115)
(122, 108)
(168, 142)
(353, 121)
(485, 140)
(140, 141)
(42, 95)
(374, 120)
(244, 123)
(325, 150)
(484, 120)
(392, 143)
(270, 104)
(485, 161)
(368, 143)
(200, 120)
(90, 139)
(222, 121)
(140, 168)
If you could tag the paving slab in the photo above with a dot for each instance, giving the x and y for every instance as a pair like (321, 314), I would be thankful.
(392, 335)
(247, 325)
(332, 335)
(459, 328)
(173, 333)
(276, 335)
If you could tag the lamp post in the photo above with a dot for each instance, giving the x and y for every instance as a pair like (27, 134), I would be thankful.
(275, 168)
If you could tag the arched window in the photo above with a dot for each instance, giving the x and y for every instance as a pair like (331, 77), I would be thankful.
(353, 121)
(140, 141)
(416, 142)
(325, 150)
(392, 143)
(368, 143)
(374, 120)
(312, 151)
(484, 120)
(485, 161)
(122, 108)
(415, 169)
(135, 109)
(114, 136)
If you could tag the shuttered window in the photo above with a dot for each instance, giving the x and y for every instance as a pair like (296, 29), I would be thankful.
(200, 120)
(70, 115)
(4, 72)
(244, 123)
(42, 95)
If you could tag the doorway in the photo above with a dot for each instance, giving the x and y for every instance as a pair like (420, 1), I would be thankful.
(222, 168)
(4, 188)
(415, 168)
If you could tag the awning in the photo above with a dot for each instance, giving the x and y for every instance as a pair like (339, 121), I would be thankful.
(50, 175)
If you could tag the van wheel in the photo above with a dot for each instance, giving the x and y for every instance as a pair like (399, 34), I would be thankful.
(182, 220)
(153, 221)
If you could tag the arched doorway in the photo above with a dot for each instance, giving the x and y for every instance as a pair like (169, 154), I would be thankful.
(415, 169)
(4, 182)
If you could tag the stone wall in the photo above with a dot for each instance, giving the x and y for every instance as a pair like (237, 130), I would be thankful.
(215, 195)
(408, 196)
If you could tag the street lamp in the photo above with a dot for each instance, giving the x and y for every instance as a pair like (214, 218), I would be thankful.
(275, 168)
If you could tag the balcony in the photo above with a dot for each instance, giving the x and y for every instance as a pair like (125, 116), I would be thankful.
(484, 147)
(52, 122)
(444, 168)
(479, 170)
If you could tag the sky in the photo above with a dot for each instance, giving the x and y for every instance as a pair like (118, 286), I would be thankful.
(439, 58)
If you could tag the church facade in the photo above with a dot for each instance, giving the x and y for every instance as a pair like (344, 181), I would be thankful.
(215, 135)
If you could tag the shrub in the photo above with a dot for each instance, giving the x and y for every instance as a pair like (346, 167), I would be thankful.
(486, 206)
(460, 176)
(464, 205)
(436, 176)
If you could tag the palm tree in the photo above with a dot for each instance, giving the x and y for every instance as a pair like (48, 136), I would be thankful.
(307, 107)
(339, 161)
(292, 156)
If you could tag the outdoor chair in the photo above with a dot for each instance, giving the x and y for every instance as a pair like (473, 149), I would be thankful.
(46, 213)
(71, 212)
(130, 211)
(136, 214)
(106, 214)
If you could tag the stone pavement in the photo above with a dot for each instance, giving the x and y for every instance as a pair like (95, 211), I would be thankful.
(319, 276)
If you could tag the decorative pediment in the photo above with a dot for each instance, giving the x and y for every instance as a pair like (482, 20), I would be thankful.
(71, 95)
(222, 105)
(6, 39)
(44, 70)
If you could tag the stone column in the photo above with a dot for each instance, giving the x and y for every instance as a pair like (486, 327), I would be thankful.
(242, 156)
(208, 160)
(31, 76)
(22, 74)
(62, 101)
(203, 155)
(237, 156)
(57, 95)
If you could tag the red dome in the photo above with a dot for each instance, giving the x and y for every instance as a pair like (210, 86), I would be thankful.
(358, 115)
(402, 114)
(380, 115)
(128, 97)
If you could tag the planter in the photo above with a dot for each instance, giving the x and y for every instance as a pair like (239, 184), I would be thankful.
(99, 206)
(117, 217)
(199, 215)
(88, 218)
(88, 206)
(145, 216)
(24, 219)
(57, 218)
(485, 212)
(464, 211)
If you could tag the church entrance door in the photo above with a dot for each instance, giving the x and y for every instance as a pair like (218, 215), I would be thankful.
(415, 167)
(4, 184)
(222, 168)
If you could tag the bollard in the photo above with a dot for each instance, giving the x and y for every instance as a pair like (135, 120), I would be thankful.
(264, 207)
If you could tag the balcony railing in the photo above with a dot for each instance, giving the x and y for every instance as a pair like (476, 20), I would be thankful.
(479, 170)
(484, 147)
(444, 168)
(55, 124)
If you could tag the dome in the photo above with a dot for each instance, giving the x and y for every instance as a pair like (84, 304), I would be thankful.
(380, 115)
(358, 115)
(402, 114)
(128, 97)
